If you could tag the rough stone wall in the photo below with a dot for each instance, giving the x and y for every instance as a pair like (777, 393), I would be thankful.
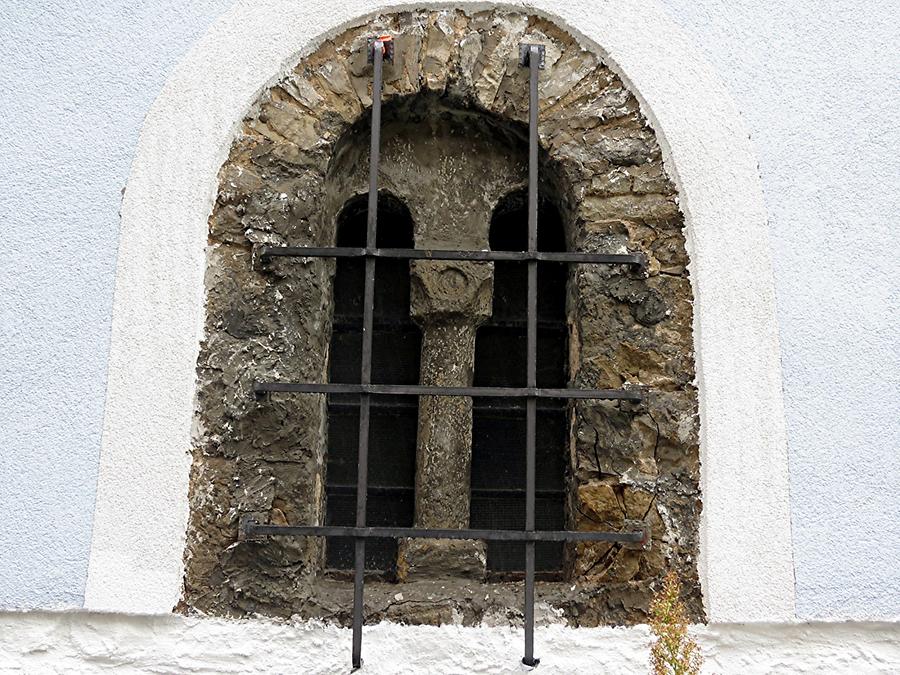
(288, 171)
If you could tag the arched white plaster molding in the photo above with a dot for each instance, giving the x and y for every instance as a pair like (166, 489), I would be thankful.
(141, 513)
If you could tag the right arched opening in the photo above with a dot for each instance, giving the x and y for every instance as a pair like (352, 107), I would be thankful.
(499, 424)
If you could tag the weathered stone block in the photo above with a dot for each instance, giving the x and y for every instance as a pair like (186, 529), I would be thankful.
(441, 559)
(443, 290)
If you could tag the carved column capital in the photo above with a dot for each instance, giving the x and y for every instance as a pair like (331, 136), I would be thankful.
(451, 291)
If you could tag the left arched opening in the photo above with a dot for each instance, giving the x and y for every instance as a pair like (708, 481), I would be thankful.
(396, 347)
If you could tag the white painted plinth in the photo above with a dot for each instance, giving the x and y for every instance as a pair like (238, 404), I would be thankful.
(85, 642)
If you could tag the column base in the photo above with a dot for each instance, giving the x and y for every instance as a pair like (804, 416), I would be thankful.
(436, 558)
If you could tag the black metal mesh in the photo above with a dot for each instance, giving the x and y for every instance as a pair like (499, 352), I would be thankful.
(507, 512)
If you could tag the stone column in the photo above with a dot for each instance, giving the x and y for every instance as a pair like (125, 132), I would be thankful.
(449, 300)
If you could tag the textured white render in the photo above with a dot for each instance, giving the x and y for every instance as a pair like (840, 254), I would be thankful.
(76, 81)
(94, 643)
(136, 562)
(818, 85)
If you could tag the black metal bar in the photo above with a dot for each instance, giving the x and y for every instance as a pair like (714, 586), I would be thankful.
(350, 489)
(260, 388)
(252, 529)
(346, 324)
(534, 62)
(425, 254)
(377, 53)
(490, 405)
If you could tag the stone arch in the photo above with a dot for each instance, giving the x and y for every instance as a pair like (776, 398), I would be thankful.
(451, 140)
(135, 561)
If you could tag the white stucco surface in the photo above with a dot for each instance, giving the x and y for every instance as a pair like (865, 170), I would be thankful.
(76, 81)
(93, 643)
(816, 84)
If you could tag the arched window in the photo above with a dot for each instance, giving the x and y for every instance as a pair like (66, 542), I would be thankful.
(498, 438)
(395, 360)
(616, 468)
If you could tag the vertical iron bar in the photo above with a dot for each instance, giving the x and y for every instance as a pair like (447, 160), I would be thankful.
(362, 478)
(531, 405)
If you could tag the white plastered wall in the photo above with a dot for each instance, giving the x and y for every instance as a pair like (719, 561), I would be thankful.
(139, 524)
(85, 642)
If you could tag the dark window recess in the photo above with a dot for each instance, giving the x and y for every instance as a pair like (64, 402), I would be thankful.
(396, 349)
(499, 424)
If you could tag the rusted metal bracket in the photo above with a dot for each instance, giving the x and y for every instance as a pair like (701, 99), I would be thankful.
(386, 44)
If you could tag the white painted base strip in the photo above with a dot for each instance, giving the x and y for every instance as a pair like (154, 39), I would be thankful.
(87, 642)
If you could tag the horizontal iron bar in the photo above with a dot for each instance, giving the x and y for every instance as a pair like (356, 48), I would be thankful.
(252, 529)
(350, 489)
(426, 254)
(424, 390)
(343, 324)
(547, 405)
(346, 323)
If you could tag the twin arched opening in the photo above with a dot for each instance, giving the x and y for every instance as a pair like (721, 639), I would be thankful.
(452, 151)
(497, 495)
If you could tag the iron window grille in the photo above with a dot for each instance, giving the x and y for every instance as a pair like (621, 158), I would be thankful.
(531, 56)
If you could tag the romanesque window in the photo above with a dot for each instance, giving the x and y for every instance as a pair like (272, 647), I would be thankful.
(453, 175)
